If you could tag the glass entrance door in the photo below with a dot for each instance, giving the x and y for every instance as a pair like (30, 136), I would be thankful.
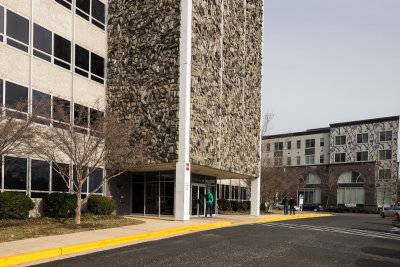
(198, 206)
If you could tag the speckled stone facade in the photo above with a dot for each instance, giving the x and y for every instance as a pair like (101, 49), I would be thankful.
(143, 72)
(143, 79)
(226, 85)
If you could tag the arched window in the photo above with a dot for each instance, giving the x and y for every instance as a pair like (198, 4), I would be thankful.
(351, 177)
(311, 192)
(351, 190)
(312, 178)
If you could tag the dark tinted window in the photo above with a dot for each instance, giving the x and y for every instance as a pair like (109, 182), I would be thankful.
(65, 3)
(98, 11)
(57, 182)
(41, 104)
(40, 175)
(83, 5)
(37, 195)
(94, 115)
(97, 65)
(1, 19)
(42, 39)
(62, 50)
(95, 180)
(17, 27)
(81, 114)
(15, 173)
(1, 92)
(81, 58)
(61, 109)
(16, 96)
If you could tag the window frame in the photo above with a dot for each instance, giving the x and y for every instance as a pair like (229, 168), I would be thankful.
(385, 136)
(37, 50)
(56, 58)
(360, 156)
(386, 152)
(385, 172)
(309, 159)
(12, 39)
(298, 144)
(340, 157)
(321, 142)
(340, 138)
(363, 138)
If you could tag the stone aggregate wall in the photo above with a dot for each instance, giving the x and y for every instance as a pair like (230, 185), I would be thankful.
(225, 111)
(143, 72)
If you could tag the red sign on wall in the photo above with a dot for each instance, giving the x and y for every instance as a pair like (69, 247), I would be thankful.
(187, 167)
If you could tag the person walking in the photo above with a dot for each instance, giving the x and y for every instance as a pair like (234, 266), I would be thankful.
(285, 205)
(209, 201)
(292, 203)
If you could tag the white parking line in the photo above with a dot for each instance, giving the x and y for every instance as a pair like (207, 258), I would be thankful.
(367, 233)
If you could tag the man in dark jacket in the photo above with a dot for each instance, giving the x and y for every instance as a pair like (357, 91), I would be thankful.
(209, 201)
(285, 205)
(292, 203)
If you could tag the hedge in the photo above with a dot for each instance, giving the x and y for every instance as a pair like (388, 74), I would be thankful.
(344, 209)
(232, 205)
(59, 205)
(15, 205)
(100, 205)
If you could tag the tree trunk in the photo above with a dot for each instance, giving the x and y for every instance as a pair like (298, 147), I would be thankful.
(78, 208)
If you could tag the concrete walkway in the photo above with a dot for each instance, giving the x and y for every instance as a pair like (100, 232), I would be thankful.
(153, 228)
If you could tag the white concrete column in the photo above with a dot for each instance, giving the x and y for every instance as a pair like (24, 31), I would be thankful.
(182, 191)
(182, 182)
(255, 197)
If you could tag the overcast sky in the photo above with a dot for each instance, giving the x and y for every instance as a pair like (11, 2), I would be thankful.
(328, 61)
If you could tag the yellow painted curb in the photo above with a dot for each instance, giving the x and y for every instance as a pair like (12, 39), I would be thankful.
(49, 253)
(283, 218)
(44, 254)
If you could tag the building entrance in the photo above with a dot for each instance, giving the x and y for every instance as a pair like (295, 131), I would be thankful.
(198, 207)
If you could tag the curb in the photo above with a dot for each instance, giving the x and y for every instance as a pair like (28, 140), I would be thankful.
(49, 253)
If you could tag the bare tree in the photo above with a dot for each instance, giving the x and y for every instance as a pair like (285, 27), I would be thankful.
(386, 190)
(266, 124)
(329, 183)
(15, 128)
(90, 141)
(278, 182)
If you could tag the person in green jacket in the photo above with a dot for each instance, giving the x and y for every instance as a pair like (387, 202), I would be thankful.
(209, 201)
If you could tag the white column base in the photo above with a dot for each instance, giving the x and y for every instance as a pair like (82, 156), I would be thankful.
(182, 191)
(255, 197)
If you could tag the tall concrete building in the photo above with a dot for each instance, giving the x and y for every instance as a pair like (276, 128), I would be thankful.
(53, 50)
(189, 74)
(360, 157)
(186, 73)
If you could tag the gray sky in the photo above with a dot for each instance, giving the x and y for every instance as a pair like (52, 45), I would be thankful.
(328, 61)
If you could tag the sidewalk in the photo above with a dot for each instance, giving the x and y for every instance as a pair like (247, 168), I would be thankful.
(90, 241)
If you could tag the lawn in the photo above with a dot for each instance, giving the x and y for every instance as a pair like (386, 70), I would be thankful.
(11, 230)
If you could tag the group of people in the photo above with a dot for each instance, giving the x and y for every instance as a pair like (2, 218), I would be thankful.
(291, 203)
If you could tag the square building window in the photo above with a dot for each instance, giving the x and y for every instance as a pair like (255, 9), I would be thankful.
(81, 61)
(62, 52)
(97, 68)
(98, 14)
(15, 172)
(40, 175)
(42, 42)
(57, 182)
(1, 20)
(18, 30)
(16, 96)
(83, 8)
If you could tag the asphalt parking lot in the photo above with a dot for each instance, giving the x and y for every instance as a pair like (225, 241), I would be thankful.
(344, 239)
